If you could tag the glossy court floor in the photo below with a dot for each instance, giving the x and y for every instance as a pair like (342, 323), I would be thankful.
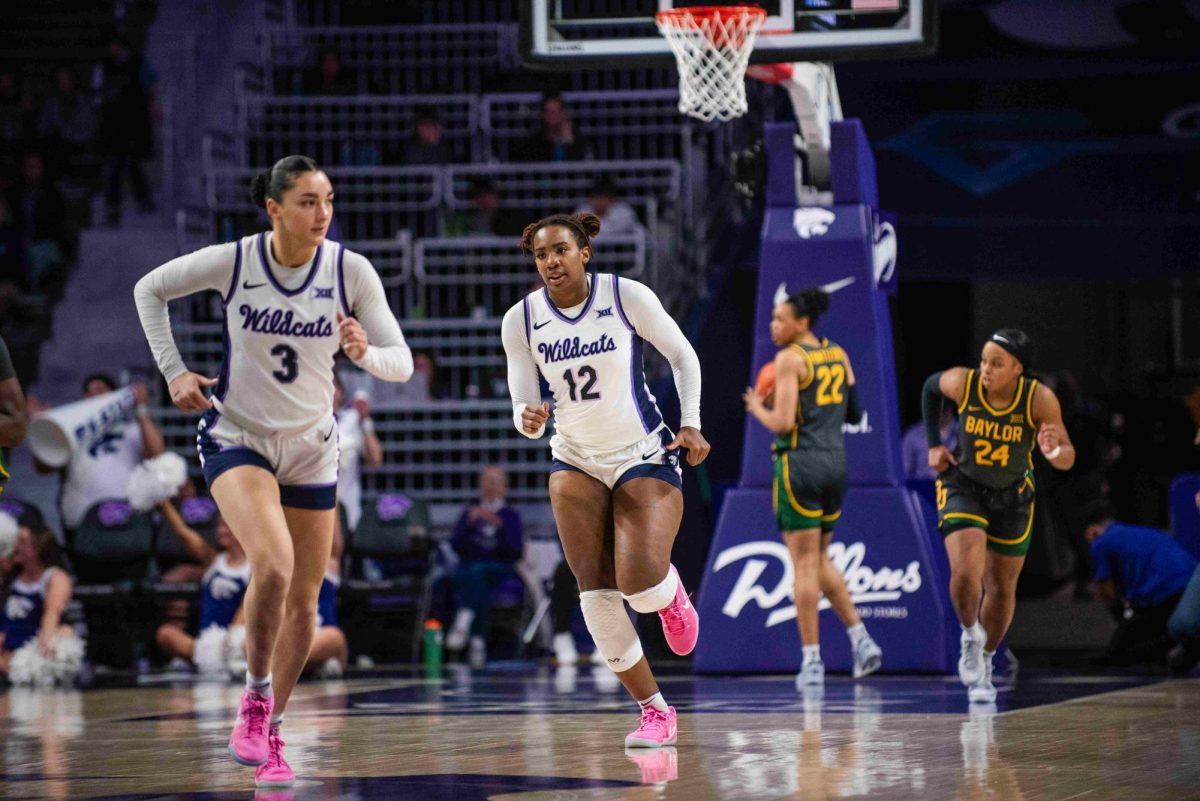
(522, 732)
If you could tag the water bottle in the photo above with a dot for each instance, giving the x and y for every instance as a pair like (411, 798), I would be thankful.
(433, 648)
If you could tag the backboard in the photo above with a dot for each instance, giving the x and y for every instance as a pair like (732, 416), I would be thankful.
(571, 34)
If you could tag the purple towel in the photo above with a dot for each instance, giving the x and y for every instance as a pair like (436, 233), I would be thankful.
(115, 513)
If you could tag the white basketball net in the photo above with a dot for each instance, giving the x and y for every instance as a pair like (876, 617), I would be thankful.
(712, 47)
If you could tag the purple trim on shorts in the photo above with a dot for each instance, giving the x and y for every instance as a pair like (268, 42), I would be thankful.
(558, 465)
(289, 293)
(228, 458)
(586, 307)
(660, 471)
(309, 496)
(237, 273)
(341, 278)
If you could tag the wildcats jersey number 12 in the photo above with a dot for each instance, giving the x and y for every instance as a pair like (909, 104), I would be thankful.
(593, 364)
(280, 342)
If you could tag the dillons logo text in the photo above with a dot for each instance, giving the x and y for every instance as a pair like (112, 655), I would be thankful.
(281, 323)
(571, 348)
(866, 585)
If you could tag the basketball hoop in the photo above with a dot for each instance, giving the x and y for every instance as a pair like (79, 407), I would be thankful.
(712, 46)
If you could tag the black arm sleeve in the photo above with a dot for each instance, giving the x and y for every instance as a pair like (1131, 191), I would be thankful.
(932, 401)
(853, 410)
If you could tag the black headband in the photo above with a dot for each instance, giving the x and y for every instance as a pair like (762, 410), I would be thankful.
(1012, 347)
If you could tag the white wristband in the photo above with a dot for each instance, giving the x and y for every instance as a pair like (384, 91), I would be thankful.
(368, 425)
(1052, 455)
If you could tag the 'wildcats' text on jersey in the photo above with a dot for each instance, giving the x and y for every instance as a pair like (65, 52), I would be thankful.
(593, 356)
(280, 341)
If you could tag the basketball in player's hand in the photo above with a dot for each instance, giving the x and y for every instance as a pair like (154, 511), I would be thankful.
(764, 384)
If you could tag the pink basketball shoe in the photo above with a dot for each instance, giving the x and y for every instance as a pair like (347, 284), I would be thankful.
(656, 728)
(275, 772)
(681, 624)
(248, 743)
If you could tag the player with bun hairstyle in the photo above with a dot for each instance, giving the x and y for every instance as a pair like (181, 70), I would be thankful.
(985, 489)
(814, 394)
(615, 485)
(268, 437)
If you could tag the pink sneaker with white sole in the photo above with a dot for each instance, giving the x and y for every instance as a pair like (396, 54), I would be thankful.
(656, 728)
(248, 743)
(275, 772)
(681, 624)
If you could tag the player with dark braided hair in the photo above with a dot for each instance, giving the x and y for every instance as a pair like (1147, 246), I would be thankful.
(814, 395)
(615, 485)
(985, 489)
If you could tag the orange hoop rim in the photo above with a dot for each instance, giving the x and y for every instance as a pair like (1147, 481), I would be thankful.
(693, 17)
(680, 15)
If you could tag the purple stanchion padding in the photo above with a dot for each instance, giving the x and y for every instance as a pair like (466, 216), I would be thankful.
(893, 560)
(883, 548)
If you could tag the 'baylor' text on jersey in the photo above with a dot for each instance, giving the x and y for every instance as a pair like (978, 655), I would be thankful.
(995, 446)
(593, 364)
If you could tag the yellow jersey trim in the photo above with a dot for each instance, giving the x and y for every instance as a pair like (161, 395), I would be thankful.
(1029, 404)
(1015, 401)
(811, 370)
(962, 404)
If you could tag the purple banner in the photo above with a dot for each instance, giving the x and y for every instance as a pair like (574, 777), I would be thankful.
(883, 548)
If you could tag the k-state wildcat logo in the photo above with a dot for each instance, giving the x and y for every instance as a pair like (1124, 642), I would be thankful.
(812, 221)
(274, 321)
(866, 585)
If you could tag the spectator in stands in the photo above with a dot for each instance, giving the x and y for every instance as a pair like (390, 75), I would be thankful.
(555, 139)
(915, 452)
(224, 579)
(100, 470)
(427, 146)
(329, 77)
(13, 420)
(124, 81)
(9, 528)
(1141, 575)
(616, 215)
(485, 217)
(66, 121)
(32, 613)
(357, 445)
(41, 217)
(488, 540)
(330, 653)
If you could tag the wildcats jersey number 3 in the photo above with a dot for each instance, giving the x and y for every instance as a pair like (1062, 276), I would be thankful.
(593, 364)
(279, 341)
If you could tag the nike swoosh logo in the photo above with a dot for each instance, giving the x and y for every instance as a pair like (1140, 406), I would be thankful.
(330, 434)
(248, 285)
(536, 326)
(648, 455)
(782, 294)
(839, 284)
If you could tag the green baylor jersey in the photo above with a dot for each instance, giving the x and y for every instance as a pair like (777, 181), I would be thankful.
(821, 410)
(995, 446)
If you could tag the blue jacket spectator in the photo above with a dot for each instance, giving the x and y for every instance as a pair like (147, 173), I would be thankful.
(488, 540)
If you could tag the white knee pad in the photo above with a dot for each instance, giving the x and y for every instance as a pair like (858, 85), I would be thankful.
(610, 627)
(657, 597)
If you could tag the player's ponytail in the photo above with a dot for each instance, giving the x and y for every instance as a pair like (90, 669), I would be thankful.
(273, 182)
(810, 303)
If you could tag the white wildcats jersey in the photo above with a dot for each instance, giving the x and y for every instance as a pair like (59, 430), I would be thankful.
(280, 343)
(593, 364)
